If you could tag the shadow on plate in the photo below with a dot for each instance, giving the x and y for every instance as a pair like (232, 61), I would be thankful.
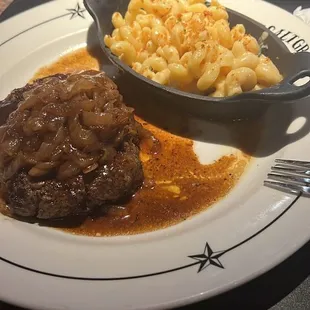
(258, 138)
(19, 6)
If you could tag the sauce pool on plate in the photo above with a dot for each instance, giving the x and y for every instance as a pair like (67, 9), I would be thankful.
(176, 187)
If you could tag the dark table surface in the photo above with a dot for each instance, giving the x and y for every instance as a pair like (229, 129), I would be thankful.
(287, 286)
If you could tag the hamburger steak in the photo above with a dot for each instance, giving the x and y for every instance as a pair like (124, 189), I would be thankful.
(68, 144)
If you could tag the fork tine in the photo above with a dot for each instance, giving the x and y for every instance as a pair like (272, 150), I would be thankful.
(291, 176)
(299, 163)
(283, 169)
(288, 187)
(288, 178)
(283, 186)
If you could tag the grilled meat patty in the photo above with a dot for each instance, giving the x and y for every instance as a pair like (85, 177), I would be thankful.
(78, 176)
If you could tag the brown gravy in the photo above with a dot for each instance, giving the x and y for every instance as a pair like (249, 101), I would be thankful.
(176, 186)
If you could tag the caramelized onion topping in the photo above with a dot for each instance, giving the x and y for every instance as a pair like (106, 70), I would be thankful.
(66, 127)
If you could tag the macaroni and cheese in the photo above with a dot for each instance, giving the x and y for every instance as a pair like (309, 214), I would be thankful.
(189, 45)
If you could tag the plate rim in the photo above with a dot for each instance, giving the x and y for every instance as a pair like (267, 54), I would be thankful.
(181, 302)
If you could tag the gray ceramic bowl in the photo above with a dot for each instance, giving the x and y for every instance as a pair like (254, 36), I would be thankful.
(246, 105)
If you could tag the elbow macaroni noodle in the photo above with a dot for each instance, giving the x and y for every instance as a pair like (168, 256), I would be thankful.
(189, 45)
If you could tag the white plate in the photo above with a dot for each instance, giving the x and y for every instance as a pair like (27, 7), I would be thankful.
(250, 231)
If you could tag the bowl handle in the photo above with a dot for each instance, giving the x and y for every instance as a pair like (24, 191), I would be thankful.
(299, 65)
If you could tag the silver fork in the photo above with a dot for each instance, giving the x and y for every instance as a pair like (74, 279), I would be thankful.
(291, 176)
